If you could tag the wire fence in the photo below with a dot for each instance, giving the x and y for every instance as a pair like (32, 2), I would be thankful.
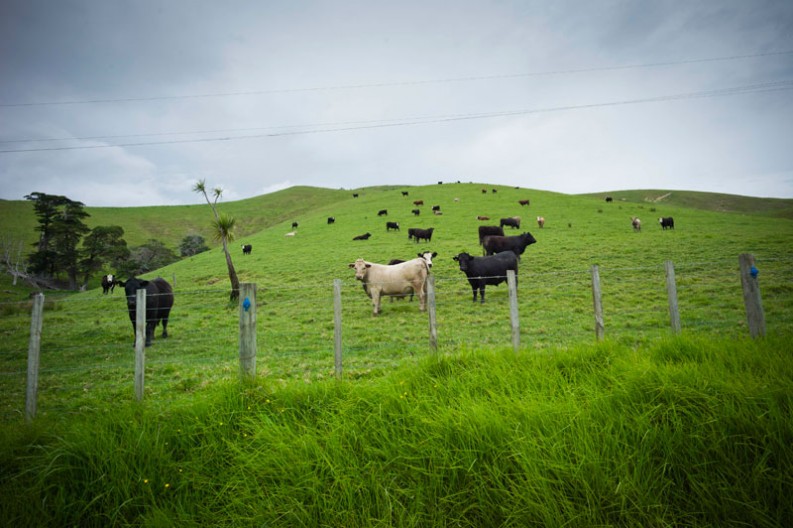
(87, 353)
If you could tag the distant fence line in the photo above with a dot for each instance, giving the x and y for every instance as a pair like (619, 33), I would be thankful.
(247, 343)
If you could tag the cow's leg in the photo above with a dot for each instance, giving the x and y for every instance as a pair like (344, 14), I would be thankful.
(482, 294)
(376, 301)
(165, 326)
(419, 288)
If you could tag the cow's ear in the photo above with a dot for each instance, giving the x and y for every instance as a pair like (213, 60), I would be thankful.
(121, 283)
(368, 265)
(434, 254)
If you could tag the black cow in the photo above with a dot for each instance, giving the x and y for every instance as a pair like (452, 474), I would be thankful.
(392, 225)
(404, 193)
(331, 220)
(108, 283)
(489, 231)
(355, 195)
(436, 207)
(419, 234)
(667, 222)
(512, 221)
(523, 202)
(487, 270)
(363, 237)
(416, 212)
(246, 249)
(516, 244)
(382, 212)
(294, 225)
(159, 300)
(609, 199)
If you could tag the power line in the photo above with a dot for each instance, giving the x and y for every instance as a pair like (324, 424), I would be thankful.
(399, 83)
(362, 125)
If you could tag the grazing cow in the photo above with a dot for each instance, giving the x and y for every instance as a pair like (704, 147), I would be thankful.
(426, 255)
(667, 222)
(392, 225)
(541, 221)
(419, 234)
(418, 202)
(484, 191)
(416, 212)
(108, 284)
(436, 207)
(363, 237)
(516, 244)
(382, 212)
(396, 280)
(523, 202)
(482, 271)
(331, 220)
(480, 217)
(609, 199)
(355, 195)
(489, 231)
(636, 223)
(290, 234)
(513, 222)
(404, 193)
(294, 225)
(495, 191)
(246, 249)
(437, 213)
(159, 300)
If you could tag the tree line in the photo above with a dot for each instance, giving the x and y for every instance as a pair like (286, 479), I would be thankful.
(68, 254)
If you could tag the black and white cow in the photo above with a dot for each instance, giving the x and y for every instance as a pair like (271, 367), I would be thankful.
(159, 301)
(331, 220)
(515, 244)
(482, 271)
(246, 249)
(108, 283)
(667, 222)
(392, 225)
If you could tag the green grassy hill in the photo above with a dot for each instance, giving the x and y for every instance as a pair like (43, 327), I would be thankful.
(643, 430)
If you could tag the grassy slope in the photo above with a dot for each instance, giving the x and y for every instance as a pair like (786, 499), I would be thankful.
(682, 433)
(725, 203)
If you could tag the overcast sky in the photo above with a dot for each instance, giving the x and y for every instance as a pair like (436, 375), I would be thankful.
(129, 103)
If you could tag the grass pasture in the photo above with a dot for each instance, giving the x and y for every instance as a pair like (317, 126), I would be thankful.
(644, 429)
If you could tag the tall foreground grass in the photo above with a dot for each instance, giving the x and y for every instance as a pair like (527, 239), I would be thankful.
(681, 432)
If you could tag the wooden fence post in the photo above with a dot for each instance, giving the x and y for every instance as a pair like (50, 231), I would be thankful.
(432, 313)
(140, 342)
(597, 299)
(512, 283)
(671, 293)
(34, 348)
(337, 327)
(247, 301)
(751, 296)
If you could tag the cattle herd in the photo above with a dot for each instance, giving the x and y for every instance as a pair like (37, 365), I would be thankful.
(397, 279)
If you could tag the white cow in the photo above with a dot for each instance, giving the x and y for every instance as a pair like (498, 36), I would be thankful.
(396, 280)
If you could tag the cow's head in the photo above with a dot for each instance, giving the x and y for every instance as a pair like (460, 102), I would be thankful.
(528, 239)
(131, 288)
(463, 259)
(428, 256)
(360, 266)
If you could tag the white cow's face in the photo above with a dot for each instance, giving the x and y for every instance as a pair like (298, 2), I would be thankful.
(360, 266)
(427, 256)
